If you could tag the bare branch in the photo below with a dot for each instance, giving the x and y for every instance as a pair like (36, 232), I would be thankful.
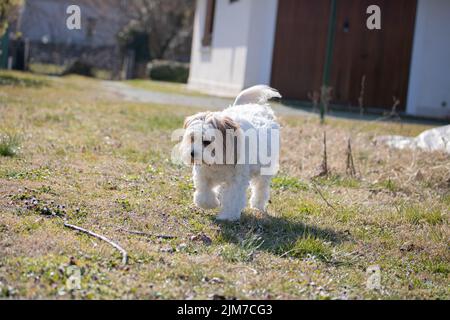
(351, 171)
(316, 188)
(98, 236)
(324, 166)
(146, 234)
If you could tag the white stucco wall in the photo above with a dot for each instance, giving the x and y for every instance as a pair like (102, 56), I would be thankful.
(429, 87)
(261, 41)
(229, 65)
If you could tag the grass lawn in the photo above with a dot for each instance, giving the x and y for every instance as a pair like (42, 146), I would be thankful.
(70, 150)
(164, 87)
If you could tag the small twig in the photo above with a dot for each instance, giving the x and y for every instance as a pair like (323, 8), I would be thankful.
(392, 115)
(325, 98)
(324, 166)
(315, 99)
(351, 171)
(323, 197)
(352, 255)
(146, 234)
(287, 252)
(394, 106)
(98, 236)
(245, 267)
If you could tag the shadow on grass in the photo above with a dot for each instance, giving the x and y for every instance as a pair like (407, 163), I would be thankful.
(278, 236)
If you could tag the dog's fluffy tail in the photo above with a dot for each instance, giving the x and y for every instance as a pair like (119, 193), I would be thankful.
(257, 94)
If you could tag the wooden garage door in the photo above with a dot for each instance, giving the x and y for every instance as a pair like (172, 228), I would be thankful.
(382, 57)
(300, 45)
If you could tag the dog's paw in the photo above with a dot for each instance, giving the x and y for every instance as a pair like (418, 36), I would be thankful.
(228, 217)
(206, 201)
(258, 205)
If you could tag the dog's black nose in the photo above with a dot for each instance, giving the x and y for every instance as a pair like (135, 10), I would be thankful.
(192, 154)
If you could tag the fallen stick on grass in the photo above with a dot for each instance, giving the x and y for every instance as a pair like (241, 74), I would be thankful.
(146, 234)
(323, 197)
(99, 236)
(245, 267)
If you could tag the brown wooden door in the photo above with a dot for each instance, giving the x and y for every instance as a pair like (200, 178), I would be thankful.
(381, 56)
(300, 45)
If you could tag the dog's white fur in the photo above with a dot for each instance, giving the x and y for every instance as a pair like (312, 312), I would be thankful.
(225, 185)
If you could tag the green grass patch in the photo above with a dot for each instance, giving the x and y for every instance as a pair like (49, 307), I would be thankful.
(164, 87)
(308, 207)
(388, 185)
(438, 267)
(244, 250)
(446, 200)
(37, 174)
(17, 81)
(421, 215)
(346, 214)
(309, 246)
(165, 122)
(9, 144)
(339, 181)
(289, 183)
(124, 204)
(59, 276)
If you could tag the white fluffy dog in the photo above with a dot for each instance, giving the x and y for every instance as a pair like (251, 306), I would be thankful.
(229, 153)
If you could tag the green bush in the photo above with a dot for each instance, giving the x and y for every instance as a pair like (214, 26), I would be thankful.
(170, 71)
(81, 68)
(9, 144)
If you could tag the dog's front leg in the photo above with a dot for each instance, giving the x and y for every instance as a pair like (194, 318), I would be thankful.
(260, 192)
(233, 199)
(204, 197)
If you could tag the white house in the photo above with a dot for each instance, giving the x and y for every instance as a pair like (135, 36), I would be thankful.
(283, 43)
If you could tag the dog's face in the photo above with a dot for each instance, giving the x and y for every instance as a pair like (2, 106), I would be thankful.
(205, 138)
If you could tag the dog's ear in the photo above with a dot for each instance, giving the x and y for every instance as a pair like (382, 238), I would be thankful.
(230, 124)
(223, 124)
(197, 117)
(227, 126)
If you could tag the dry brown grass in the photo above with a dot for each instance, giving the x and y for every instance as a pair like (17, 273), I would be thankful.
(107, 162)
